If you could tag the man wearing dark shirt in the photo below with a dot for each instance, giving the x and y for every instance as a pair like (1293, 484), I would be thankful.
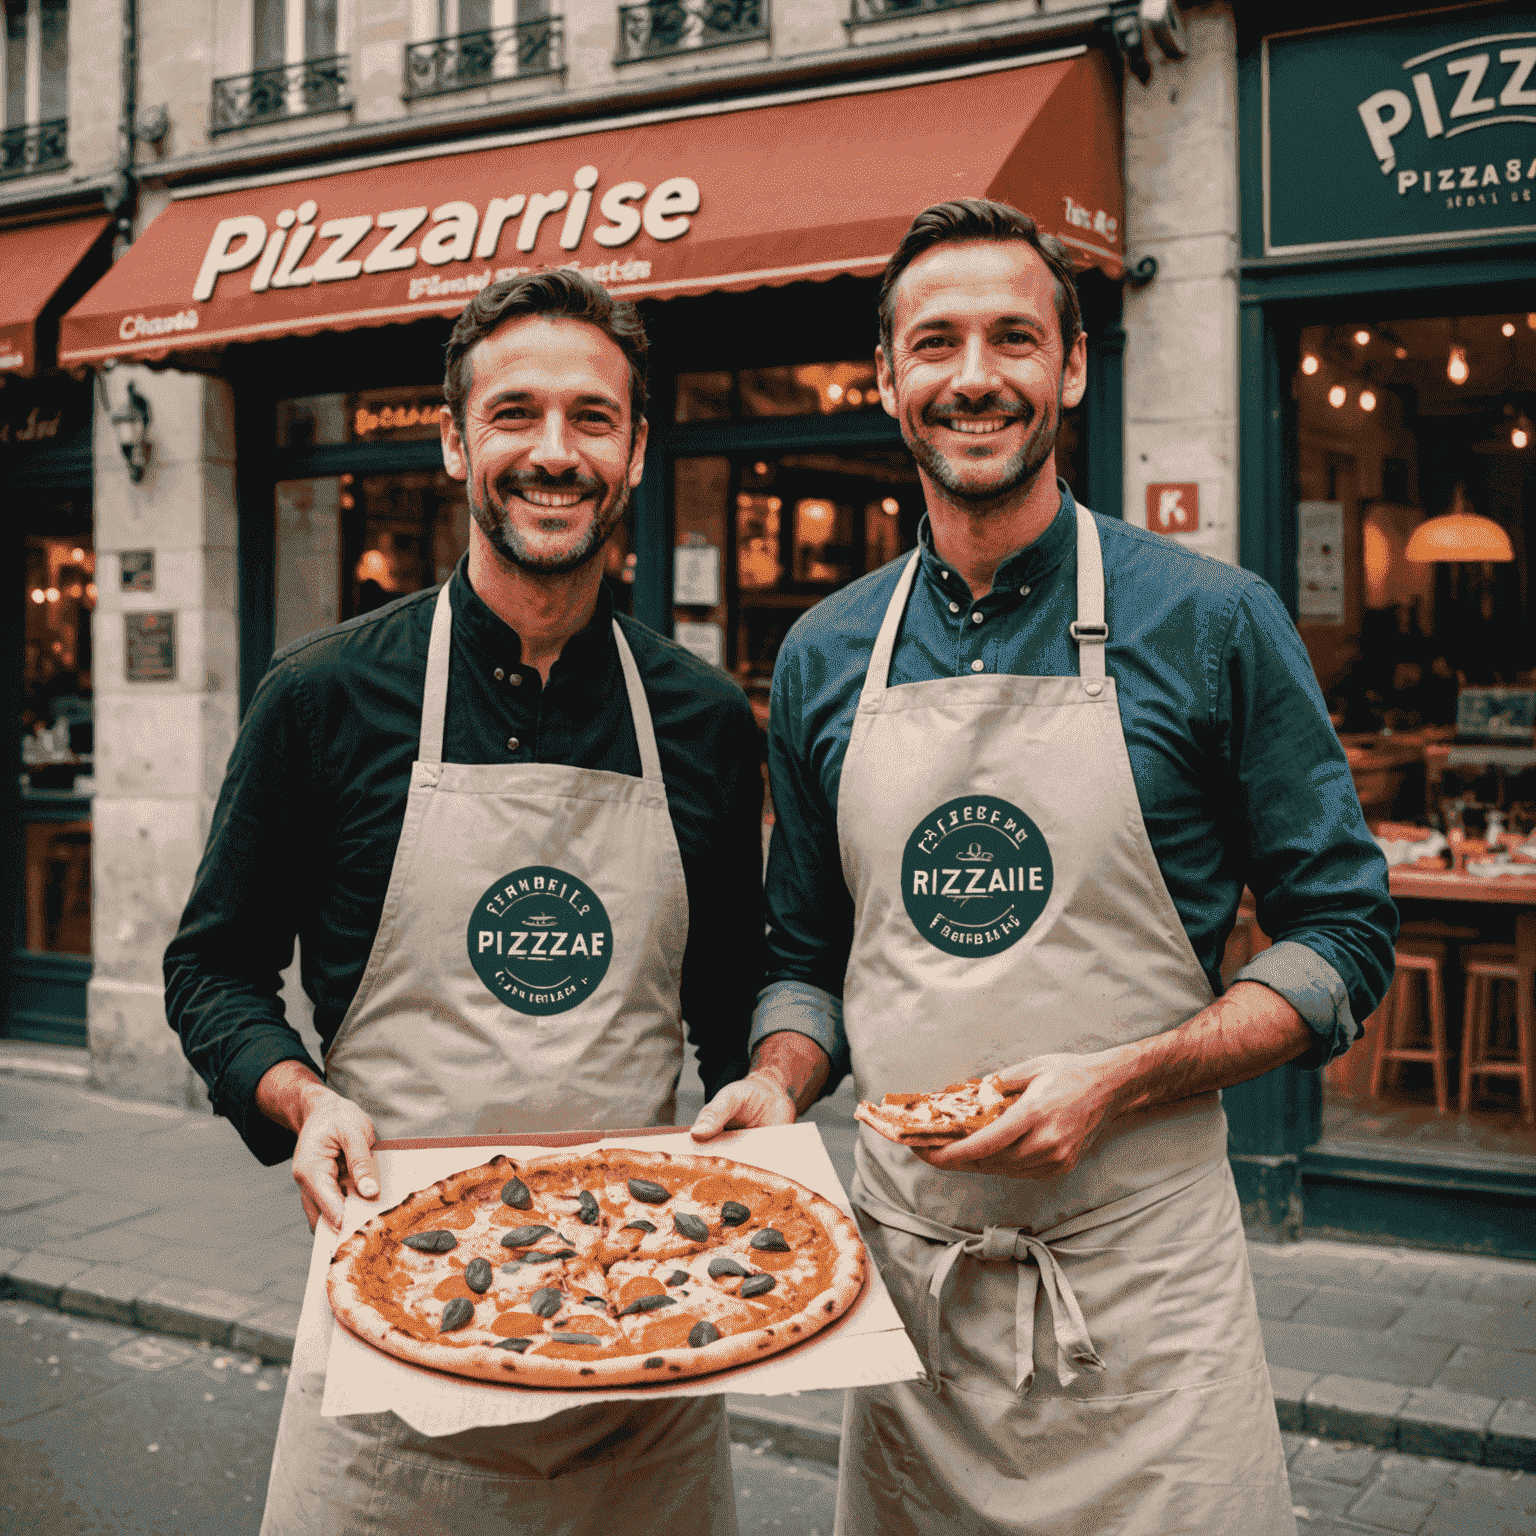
(407, 792)
(1021, 778)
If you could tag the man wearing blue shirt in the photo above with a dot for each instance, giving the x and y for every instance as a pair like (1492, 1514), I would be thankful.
(1021, 779)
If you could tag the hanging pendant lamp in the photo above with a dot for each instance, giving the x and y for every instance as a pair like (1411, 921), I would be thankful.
(1459, 534)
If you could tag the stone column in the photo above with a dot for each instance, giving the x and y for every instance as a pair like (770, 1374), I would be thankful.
(161, 746)
(1181, 354)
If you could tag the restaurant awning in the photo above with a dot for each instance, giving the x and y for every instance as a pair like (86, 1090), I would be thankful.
(786, 189)
(37, 260)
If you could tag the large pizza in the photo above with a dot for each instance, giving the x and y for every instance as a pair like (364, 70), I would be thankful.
(598, 1269)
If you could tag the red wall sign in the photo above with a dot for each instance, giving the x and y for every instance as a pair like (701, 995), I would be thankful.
(1173, 507)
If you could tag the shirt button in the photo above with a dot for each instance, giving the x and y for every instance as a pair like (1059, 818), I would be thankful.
(954, 607)
(978, 666)
(498, 674)
(975, 618)
(516, 679)
(512, 744)
(944, 574)
(1023, 591)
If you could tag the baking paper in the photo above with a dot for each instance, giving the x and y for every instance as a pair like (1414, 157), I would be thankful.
(865, 1347)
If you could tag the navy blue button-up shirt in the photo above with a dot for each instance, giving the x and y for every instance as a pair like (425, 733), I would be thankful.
(1239, 773)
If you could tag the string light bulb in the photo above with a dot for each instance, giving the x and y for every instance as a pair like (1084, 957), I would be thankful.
(1362, 338)
(1337, 396)
(1367, 400)
(1508, 328)
(1520, 432)
(1456, 369)
(1401, 354)
(1309, 365)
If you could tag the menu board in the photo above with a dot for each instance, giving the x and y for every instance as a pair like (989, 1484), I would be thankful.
(1320, 561)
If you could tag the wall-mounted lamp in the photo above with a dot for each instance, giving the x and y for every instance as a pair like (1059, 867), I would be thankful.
(132, 427)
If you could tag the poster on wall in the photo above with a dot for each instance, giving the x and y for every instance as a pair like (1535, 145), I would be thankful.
(706, 641)
(1320, 561)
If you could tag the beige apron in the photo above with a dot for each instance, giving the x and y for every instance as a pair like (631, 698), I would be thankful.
(1092, 1341)
(524, 977)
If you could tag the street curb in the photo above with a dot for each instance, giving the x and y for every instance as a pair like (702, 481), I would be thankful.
(1419, 1421)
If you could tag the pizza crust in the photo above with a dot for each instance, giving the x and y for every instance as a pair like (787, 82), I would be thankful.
(594, 1271)
(944, 1115)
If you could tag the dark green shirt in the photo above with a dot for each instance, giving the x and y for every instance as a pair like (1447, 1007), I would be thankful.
(304, 833)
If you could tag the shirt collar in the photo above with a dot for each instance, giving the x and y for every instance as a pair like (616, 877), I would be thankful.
(1026, 567)
(494, 641)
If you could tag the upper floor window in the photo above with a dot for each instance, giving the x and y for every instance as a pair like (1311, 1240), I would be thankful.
(296, 66)
(478, 42)
(35, 134)
(662, 27)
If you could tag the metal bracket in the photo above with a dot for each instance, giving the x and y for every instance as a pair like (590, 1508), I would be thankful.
(1139, 273)
(1164, 20)
(1088, 634)
(1126, 26)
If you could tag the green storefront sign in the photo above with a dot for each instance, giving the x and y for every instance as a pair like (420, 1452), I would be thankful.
(1401, 133)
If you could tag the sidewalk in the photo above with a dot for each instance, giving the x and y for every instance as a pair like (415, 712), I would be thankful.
(137, 1213)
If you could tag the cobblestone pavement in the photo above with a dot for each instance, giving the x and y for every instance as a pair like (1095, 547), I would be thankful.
(150, 1216)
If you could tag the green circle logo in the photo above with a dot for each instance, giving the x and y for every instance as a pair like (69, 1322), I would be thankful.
(975, 875)
(540, 940)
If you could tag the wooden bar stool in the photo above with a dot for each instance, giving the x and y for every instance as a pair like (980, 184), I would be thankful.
(1484, 964)
(1415, 957)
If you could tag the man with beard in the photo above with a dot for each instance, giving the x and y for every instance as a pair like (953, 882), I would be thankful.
(1021, 778)
(501, 727)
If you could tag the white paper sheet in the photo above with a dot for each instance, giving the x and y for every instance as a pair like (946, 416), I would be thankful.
(865, 1347)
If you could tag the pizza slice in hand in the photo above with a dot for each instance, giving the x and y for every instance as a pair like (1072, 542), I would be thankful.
(944, 1115)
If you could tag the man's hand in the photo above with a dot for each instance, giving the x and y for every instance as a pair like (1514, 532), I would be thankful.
(788, 1070)
(1066, 1101)
(334, 1155)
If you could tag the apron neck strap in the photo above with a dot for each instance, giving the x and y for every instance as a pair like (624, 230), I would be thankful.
(878, 674)
(1088, 628)
(639, 709)
(434, 699)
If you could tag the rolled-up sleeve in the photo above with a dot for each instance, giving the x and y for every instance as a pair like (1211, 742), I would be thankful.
(1318, 877)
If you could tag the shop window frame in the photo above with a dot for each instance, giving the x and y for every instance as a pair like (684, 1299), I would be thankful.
(1283, 1167)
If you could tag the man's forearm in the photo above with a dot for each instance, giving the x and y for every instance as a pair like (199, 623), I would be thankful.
(796, 1063)
(1243, 1034)
(287, 1092)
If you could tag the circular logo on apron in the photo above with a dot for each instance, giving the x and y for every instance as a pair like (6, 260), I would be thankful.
(540, 940)
(975, 875)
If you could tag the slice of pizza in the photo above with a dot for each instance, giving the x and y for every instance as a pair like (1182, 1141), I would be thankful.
(944, 1115)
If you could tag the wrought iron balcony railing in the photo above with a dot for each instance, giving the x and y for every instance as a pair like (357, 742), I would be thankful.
(865, 11)
(292, 90)
(480, 58)
(34, 147)
(677, 26)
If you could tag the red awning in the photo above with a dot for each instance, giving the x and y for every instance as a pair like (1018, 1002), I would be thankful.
(36, 260)
(787, 190)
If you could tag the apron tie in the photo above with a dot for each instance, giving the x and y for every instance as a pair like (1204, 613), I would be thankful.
(1073, 1346)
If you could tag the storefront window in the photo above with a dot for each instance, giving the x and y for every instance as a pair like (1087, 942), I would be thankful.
(58, 595)
(1416, 472)
(789, 529)
(803, 389)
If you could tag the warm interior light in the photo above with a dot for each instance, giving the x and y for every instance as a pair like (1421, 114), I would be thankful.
(38, 595)
(760, 469)
(855, 397)
(834, 392)
(1337, 396)
(1362, 337)
(77, 555)
(1508, 328)
(1457, 535)
(1530, 322)
(53, 594)
(1520, 432)
(1401, 353)
(1309, 365)
(1367, 400)
(890, 506)
(1456, 369)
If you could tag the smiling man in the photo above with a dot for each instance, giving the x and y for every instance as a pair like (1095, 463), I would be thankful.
(1021, 779)
(460, 743)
